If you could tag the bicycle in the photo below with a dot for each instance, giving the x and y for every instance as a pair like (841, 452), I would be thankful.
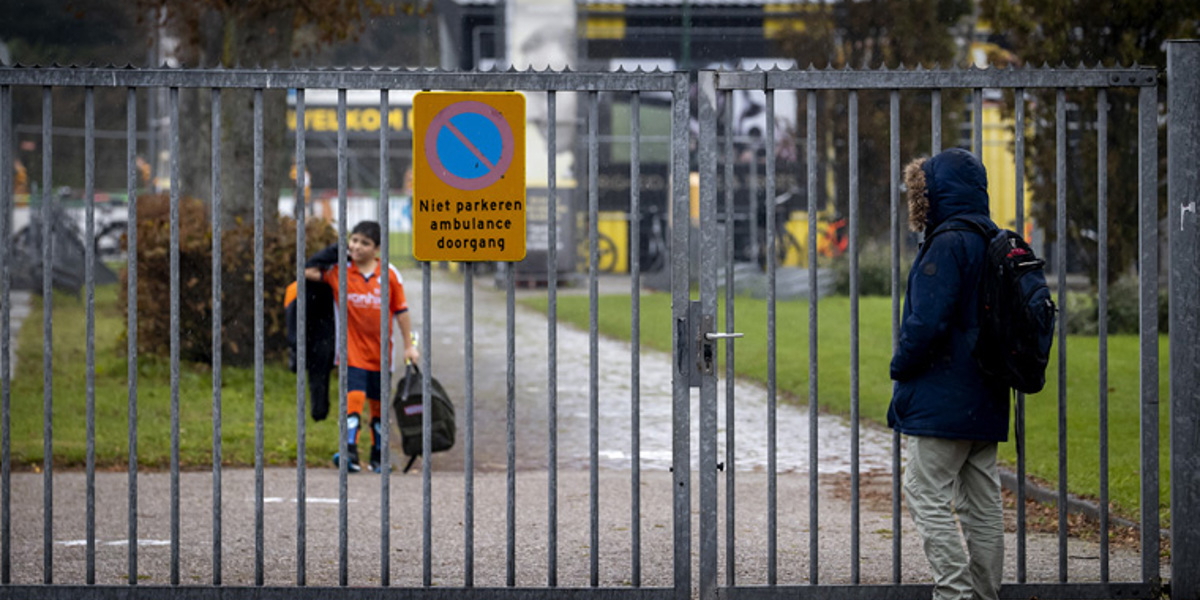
(832, 240)
(606, 251)
(111, 241)
(654, 258)
(784, 240)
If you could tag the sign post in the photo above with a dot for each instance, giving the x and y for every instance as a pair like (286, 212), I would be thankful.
(469, 176)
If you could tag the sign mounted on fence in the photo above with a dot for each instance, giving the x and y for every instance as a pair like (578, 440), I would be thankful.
(469, 176)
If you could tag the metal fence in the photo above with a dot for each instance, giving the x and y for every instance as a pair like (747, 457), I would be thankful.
(684, 573)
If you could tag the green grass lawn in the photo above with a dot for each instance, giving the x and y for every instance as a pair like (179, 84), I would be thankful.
(153, 400)
(875, 386)
(400, 250)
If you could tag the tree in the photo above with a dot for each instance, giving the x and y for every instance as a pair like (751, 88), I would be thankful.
(867, 35)
(70, 32)
(1091, 32)
(249, 34)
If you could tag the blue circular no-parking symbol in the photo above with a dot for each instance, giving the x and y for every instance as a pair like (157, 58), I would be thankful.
(469, 145)
(469, 156)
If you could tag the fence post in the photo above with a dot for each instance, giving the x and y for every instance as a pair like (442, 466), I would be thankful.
(1183, 181)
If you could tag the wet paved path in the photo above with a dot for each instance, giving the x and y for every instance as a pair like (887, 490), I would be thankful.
(614, 382)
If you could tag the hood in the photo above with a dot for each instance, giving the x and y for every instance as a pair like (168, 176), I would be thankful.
(951, 184)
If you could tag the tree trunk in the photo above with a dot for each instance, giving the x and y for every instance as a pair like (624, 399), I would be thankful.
(247, 40)
(260, 40)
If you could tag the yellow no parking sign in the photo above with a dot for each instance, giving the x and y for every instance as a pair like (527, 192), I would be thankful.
(469, 176)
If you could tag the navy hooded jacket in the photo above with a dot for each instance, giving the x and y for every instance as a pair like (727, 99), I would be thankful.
(939, 390)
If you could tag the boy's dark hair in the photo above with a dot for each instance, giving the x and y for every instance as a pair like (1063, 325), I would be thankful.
(369, 229)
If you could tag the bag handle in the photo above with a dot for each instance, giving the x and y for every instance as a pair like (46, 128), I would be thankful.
(409, 369)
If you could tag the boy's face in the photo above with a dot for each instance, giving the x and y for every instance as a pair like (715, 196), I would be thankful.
(361, 248)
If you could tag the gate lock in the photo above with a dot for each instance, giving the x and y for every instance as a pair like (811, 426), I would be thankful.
(703, 348)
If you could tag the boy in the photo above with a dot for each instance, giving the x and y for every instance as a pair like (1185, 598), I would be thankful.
(363, 299)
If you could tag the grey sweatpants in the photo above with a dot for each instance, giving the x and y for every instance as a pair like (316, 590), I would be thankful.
(947, 477)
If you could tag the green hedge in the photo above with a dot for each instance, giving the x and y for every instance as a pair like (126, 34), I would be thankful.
(195, 280)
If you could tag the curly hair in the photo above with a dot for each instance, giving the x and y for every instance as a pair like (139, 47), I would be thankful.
(918, 194)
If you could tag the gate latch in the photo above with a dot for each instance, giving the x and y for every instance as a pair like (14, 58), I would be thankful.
(704, 347)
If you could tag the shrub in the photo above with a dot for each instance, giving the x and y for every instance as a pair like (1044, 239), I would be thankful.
(1081, 312)
(195, 281)
(1124, 309)
(874, 272)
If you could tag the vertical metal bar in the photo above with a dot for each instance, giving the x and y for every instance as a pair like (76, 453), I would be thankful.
(752, 209)
(1019, 417)
(894, 153)
(593, 338)
(935, 104)
(469, 458)
(707, 111)
(977, 118)
(852, 226)
(6, 209)
(176, 184)
(216, 333)
(1183, 188)
(730, 373)
(1148, 323)
(813, 471)
(343, 367)
(772, 439)
(47, 340)
(1102, 275)
(510, 419)
(385, 352)
(680, 392)
(153, 116)
(552, 345)
(426, 429)
(131, 372)
(301, 341)
(89, 261)
(1060, 259)
(635, 355)
(259, 332)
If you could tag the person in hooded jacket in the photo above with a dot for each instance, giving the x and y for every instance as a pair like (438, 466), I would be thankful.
(953, 416)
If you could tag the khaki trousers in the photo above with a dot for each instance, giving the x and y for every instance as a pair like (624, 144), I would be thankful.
(948, 477)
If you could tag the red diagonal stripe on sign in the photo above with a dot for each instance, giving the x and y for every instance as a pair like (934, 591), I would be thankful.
(462, 138)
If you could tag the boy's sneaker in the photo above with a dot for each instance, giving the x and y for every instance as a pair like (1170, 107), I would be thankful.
(376, 464)
(352, 465)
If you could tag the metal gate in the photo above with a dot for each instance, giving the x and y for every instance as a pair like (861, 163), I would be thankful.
(308, 566)
(716, 274)
(694, 334)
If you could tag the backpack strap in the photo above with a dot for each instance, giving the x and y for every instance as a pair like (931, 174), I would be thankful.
(955, 224)
(959, 224)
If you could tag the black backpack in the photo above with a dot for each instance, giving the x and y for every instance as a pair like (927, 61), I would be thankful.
(408, 405)
(1017, 314)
